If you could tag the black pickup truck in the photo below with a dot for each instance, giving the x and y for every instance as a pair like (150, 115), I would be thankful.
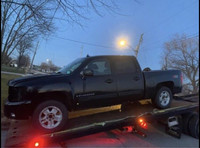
(88, 83)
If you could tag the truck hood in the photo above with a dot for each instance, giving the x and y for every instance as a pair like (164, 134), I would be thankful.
(34, 78)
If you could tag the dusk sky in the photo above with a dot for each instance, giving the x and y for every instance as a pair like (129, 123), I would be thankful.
(159, 20)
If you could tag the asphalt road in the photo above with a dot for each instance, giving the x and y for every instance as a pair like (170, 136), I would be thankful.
(156, 137)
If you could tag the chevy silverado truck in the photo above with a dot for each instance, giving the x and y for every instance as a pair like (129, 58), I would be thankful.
(88, 82)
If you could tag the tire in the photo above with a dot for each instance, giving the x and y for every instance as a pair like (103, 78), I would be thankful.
(194, 126)
(45, 114)
(163, 98)
(185, 122)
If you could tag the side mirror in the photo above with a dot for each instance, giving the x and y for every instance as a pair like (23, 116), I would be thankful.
(147, 69)
(88, 72)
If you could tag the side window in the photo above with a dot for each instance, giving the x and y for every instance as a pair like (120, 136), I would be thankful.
(125, 65)
(99, 67)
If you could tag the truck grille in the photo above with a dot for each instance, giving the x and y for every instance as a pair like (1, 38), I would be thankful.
(13, 94)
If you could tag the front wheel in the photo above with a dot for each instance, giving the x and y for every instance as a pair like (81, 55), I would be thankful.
(50, 116)
(163, 98)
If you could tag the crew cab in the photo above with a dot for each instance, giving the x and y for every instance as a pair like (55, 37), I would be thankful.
(88, 82)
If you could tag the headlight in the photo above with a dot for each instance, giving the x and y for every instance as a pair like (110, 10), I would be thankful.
(29, 89)
(16, 94)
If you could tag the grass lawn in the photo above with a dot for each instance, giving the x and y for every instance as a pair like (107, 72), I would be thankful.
(4, 87)
(12, 69)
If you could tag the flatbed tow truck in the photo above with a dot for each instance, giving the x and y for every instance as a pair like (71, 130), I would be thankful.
(183, 115)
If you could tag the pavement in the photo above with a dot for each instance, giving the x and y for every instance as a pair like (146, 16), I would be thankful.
(12, 73)
(156, 137)
(3, 137)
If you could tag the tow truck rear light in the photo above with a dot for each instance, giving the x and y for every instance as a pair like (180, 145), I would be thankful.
(36, 143)
(142, 123)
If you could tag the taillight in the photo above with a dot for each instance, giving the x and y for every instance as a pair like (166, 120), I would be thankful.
(181, 78)
(142, 123)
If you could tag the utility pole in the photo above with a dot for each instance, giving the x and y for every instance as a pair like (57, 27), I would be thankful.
(81, 50)
(136, 50)
(34, 56)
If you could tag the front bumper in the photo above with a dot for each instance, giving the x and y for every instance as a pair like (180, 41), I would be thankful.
(17, 110)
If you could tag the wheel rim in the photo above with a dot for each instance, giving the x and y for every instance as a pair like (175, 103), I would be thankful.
(50, 117)
(164, 98)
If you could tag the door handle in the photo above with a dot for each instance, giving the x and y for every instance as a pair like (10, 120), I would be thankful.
(136, 78)
(109, 81)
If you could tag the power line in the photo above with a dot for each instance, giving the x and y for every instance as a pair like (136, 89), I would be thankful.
(169, 18)
(109, 47)
(86, 43)
(187, 37)
(181, 31)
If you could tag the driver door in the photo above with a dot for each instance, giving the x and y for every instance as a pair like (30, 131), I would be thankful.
(100, 88)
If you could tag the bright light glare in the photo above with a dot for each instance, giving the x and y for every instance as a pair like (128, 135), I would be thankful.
(141, 120)
(36, 144)
(122, 42)
(142, 123)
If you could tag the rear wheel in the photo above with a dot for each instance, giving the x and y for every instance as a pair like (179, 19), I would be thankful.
(163, 98)
(50, 116)
(185, 122)
(194, 126)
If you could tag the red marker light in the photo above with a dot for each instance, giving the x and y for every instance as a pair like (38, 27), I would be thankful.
(142, 123)
(37, 143)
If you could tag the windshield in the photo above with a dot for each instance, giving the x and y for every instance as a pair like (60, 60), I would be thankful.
(71, 66)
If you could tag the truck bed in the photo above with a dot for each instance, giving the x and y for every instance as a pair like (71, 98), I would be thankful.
(21, 132)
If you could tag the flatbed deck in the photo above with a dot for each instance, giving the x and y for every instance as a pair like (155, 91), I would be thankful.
(21, 132)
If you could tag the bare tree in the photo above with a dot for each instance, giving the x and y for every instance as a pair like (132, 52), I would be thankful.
(22, 18)
(23, 61)
(7, 59)
(182, 53)
(49, 66)
(24, 47)
(44, 66)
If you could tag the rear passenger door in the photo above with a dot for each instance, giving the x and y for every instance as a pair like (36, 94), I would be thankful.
(129, 79)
